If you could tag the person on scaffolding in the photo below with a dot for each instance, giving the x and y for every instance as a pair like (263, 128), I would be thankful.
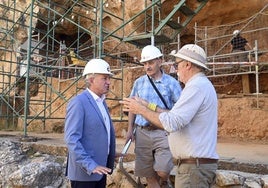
(153, 157)
(239, 44)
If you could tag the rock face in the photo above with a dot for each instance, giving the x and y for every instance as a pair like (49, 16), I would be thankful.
(23, 166)
(215, 12)
(241, 119)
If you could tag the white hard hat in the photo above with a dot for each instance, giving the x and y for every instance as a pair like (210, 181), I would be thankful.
(192, 53)
(236, 32)
(97, 66)
(150, 52)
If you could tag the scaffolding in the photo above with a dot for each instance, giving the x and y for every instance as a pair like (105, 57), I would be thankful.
(44, 46)
(228, 65)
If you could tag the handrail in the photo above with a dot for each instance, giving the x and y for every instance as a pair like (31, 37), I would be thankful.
(121, 166)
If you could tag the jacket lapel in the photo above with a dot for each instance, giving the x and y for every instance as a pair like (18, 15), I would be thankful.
(93, 103)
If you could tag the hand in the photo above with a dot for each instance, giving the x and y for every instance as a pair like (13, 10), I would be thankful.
(102, 170)
(133, 105)
(142, 101)
(130, 135)
(118, 154)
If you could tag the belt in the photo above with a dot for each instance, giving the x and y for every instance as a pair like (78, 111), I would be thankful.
(148, 127)
(196, 161)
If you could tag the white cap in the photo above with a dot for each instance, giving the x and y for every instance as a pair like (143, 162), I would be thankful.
(236, 32)
(193, 53)
(97, 66)
(150, 52)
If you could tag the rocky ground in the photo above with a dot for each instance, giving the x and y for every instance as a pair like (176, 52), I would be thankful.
(44, 155)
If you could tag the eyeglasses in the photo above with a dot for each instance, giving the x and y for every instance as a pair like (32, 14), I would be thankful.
(175, 65)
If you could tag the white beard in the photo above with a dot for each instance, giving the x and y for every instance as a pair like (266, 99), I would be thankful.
(178, 76)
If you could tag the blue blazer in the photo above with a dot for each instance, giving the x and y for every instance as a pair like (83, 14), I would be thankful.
(86, 139)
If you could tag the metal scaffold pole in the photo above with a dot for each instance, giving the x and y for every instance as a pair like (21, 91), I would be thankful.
(100, 29)
(257, 73)
(27, 82)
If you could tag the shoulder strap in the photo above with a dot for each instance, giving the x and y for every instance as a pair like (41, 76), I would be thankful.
(158, 93)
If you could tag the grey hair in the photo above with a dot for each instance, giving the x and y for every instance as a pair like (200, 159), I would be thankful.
(201, 69)
(87, 77)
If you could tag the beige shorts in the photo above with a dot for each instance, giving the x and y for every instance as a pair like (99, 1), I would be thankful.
(152, 152)
(191, 175)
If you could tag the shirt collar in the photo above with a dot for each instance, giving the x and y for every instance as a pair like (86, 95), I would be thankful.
(200, 74)
(160, 79)
(96, 97)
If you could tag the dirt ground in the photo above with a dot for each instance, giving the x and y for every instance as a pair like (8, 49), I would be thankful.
(228, 149)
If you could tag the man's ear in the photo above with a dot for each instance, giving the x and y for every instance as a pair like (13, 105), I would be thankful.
(90, 79)
(189, 65)
(160, 61)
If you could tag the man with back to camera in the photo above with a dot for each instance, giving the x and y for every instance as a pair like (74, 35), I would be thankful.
(239, 44)
(192, 122)
(153, 157)
(89, 132)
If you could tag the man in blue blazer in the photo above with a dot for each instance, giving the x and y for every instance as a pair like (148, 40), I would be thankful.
(89, 132)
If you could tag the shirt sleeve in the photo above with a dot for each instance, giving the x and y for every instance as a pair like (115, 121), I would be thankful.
(183, 111)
